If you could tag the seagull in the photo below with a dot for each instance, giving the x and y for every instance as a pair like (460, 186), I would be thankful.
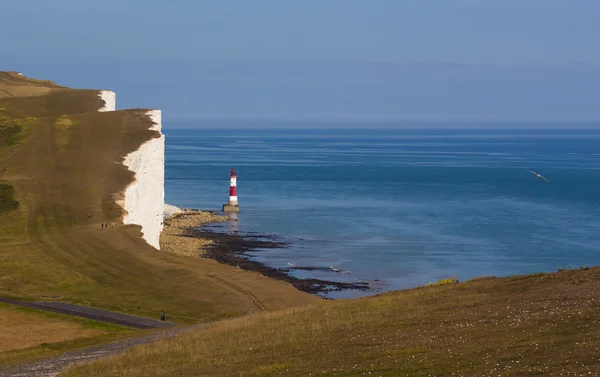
(539, 176)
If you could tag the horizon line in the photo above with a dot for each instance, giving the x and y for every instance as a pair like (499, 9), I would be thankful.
(166, 128)
(375, 119)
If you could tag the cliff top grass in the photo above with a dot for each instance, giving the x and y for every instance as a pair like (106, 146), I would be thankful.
(60, 161)
(536, 325)
(13, 84)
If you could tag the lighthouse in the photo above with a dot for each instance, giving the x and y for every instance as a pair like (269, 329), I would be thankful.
(232, 206)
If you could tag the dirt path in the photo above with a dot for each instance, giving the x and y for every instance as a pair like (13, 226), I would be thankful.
(91, 313)
(252, 298)
(53, 366)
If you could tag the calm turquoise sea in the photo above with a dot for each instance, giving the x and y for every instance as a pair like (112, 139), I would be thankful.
(402, 206)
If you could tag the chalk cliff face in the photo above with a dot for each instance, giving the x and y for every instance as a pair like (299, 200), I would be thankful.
(110, 100)
(145, 196)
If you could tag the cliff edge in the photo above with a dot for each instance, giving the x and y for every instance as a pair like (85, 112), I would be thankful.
(143, 199)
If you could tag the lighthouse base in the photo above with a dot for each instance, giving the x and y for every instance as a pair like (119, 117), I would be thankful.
(231, 208)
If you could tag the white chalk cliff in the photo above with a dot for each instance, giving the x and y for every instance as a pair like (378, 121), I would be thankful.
(145, 197)
(110, 100)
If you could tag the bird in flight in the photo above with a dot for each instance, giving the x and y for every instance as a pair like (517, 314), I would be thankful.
(539, 176)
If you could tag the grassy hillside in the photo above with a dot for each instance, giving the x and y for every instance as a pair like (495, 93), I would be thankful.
(539, 325)
(60, 160)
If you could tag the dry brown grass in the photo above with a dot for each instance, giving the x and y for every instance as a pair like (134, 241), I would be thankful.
(27, 334)
(539, 325)
(172, 239)
(23, 330)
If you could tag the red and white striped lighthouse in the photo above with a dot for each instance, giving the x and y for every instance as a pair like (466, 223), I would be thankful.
(233, 188)
(232, 206)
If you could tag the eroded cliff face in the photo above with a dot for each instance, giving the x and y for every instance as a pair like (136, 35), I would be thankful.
(110, 100)
(144, 198)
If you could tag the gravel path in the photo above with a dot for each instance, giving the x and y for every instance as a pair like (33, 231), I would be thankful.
(90, 313)
(53, 366)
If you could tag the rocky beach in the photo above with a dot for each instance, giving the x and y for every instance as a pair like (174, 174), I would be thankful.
(193, 232)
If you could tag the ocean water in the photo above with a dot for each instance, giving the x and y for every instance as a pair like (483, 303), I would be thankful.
(405, 207)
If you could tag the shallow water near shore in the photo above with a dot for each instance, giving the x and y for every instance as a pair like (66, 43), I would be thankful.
(403, 207)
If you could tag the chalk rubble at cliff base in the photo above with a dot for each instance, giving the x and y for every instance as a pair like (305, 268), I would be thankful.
(176, 238)
(170, 210)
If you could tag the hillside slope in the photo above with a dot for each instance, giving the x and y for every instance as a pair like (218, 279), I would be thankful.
(61, 160)
(538, 325)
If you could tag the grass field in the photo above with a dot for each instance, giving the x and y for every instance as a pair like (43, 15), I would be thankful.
(60, 160)
(28, 333)
(539, 325)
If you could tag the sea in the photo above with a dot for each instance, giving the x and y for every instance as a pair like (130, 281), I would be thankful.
(399, 207)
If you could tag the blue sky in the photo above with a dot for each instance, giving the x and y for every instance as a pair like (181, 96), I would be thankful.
(317, 59)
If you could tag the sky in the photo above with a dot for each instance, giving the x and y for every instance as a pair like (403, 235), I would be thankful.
(318, 59)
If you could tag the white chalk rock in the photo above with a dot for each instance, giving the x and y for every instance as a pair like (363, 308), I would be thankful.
(110, 100)
(145, 197)
(170, 210)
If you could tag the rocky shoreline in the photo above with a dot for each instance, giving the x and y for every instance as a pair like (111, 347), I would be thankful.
(175, 238)
(188, 233)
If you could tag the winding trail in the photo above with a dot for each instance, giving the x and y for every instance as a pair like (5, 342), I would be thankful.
(252, 298)
(91, 313)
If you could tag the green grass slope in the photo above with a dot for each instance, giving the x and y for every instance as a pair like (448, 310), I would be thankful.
(60, 160)
(538, 325)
